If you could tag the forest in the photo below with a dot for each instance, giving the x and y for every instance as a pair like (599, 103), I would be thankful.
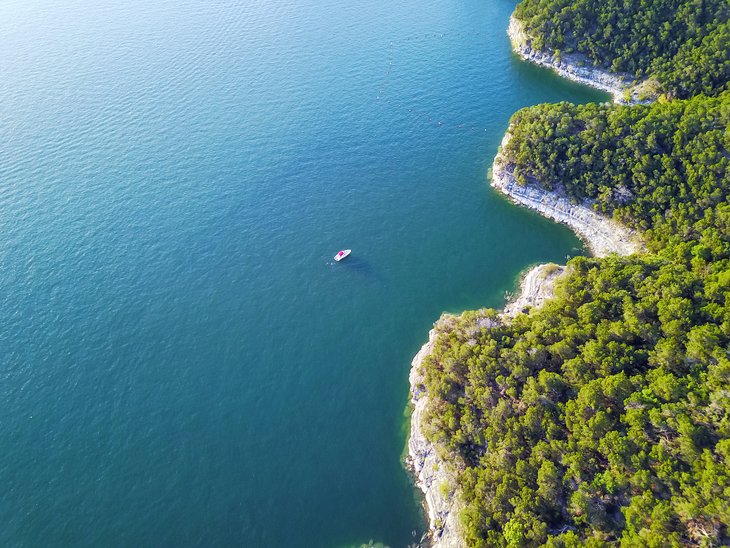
(658, 168)
(684, 45)
(603, 417)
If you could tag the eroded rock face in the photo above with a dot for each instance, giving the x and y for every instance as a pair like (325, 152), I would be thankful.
(430, 471)
(536, 287)
(623, 87)
(602, 235)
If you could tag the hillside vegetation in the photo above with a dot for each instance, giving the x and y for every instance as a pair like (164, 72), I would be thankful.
(660, 168)
(603, 418)
(682, 44)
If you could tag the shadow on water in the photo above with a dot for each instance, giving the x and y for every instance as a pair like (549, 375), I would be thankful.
(361, 267)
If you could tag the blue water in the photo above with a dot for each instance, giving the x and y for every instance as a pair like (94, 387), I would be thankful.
(182, 363)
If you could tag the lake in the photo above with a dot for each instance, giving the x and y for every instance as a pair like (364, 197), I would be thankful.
(182, 361)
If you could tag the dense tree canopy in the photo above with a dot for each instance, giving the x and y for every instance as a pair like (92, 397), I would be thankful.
(603, 418)
(683, 44)
(659, 168)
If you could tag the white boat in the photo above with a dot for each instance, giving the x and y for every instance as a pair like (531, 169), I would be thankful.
(342, 254)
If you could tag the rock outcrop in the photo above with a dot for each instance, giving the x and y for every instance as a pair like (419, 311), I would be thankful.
(536, 287)
(578, 68)
(431, 473)
(602, 235)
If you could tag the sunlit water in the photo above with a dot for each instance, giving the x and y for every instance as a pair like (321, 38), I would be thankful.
(183, 363)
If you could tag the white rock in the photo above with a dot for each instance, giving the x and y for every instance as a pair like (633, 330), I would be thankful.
(602, 235)
(536, 287)
(569, 66)
(428, 468)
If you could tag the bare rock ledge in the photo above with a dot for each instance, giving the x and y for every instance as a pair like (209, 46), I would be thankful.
(575, 67)
(602, 235)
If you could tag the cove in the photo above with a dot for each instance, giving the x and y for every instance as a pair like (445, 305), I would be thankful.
(182, 361)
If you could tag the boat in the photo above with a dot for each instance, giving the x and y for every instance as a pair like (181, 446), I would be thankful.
(342, 254)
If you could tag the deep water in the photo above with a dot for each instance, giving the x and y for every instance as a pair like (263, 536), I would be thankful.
(182, 362)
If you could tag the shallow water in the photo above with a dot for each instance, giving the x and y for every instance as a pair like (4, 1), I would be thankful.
(182, 362)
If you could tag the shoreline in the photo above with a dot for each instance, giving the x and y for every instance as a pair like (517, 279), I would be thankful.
(602, 236)
(423, 461)
(431, 474)
(574, 67)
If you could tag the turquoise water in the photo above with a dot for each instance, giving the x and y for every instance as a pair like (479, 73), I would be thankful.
(182, 363)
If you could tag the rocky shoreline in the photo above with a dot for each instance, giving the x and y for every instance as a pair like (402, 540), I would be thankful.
(536, 286)
(574, 67)
(602, 236)
(429, 470)
(432, 475)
